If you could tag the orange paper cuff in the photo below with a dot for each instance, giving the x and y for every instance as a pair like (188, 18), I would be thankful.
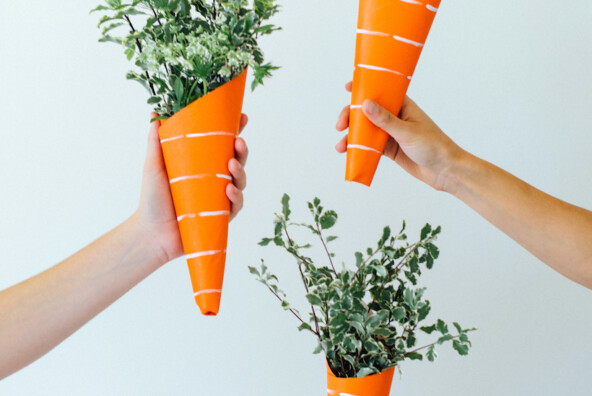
(197, 144)
(372, 385)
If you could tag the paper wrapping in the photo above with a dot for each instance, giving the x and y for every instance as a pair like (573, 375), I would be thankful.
(390, 37)
(197, 144)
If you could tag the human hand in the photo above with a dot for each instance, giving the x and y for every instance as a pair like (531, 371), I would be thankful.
(416, 143)
(156, 213)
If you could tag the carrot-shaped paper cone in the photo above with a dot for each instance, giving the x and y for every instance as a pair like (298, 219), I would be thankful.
(197, 143)
(390, 37)
(373, 385)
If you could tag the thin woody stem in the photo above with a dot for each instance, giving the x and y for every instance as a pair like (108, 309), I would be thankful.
(366, 261)
(291, 242)
(413, 249)
(314, 314)
(293, 253)
(397, 267)
(160, 24)
(291, 310)
(326, 249)
(429, 345)
(140, 49)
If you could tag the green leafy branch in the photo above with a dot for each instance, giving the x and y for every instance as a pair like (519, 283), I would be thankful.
(366, 318)
(187, 48)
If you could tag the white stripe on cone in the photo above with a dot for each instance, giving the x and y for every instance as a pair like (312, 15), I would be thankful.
(207, 291)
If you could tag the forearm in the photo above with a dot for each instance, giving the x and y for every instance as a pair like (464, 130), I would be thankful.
(39, 313)
(556, 232)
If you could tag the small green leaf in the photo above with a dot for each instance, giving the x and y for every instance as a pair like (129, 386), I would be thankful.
(277, 230)
(445, 338)
(337, 320)
(265, 241)
(429, 261)
(314, 299)
(409, 298)
(382, 332)
(364, 372)
(328, 219)
(371, 346)
(154, 100)
(318, 349)
(254, 271)
(359, 259)
(433, 250)
(425, 231)
(460, 347)
(386, 233)
(304, 326)
(414, 264)
(159, 118)
(423, 311)
(428, 329)
(431, 353)
(129, 53)
(399, 313)
(442, 327)
(286, 206)
(380, 270)
(179, 89)
(414, 356)
(411, 340)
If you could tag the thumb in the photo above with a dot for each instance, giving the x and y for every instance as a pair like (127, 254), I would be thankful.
(385, 120)
(154, 151)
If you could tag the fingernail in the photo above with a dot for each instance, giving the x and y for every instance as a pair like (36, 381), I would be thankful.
(370, 107)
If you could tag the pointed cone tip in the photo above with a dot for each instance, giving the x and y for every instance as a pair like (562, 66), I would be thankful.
(209, 304)
(361, 166)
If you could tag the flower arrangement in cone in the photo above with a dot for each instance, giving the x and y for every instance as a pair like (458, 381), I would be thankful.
(366, 318)
(192, 56)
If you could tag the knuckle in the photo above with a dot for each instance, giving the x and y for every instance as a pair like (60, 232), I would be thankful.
(384, 117)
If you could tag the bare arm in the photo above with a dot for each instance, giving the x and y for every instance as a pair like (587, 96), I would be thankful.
(39, 313)
(558, 233)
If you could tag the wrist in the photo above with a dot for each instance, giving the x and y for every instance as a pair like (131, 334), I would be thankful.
(147, 240)
(452, 177)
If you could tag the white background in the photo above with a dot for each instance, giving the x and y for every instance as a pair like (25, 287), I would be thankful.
(509, 81)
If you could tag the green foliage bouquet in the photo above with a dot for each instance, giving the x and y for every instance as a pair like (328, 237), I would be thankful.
(187, 48)
(365, 318)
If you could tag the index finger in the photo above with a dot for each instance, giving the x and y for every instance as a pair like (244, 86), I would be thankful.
(243, 123)
(241, 151)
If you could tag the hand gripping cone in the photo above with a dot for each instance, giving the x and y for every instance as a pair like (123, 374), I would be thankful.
(390, 37)
(197, 143)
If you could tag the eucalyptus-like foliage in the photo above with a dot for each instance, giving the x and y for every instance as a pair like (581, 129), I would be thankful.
(183, 49)
(366, 317)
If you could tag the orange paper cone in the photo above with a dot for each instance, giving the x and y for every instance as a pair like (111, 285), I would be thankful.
(197, 143)
(390, 37)
(372, 385)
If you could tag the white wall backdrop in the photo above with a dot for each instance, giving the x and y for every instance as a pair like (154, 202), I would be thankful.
(509, 81)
